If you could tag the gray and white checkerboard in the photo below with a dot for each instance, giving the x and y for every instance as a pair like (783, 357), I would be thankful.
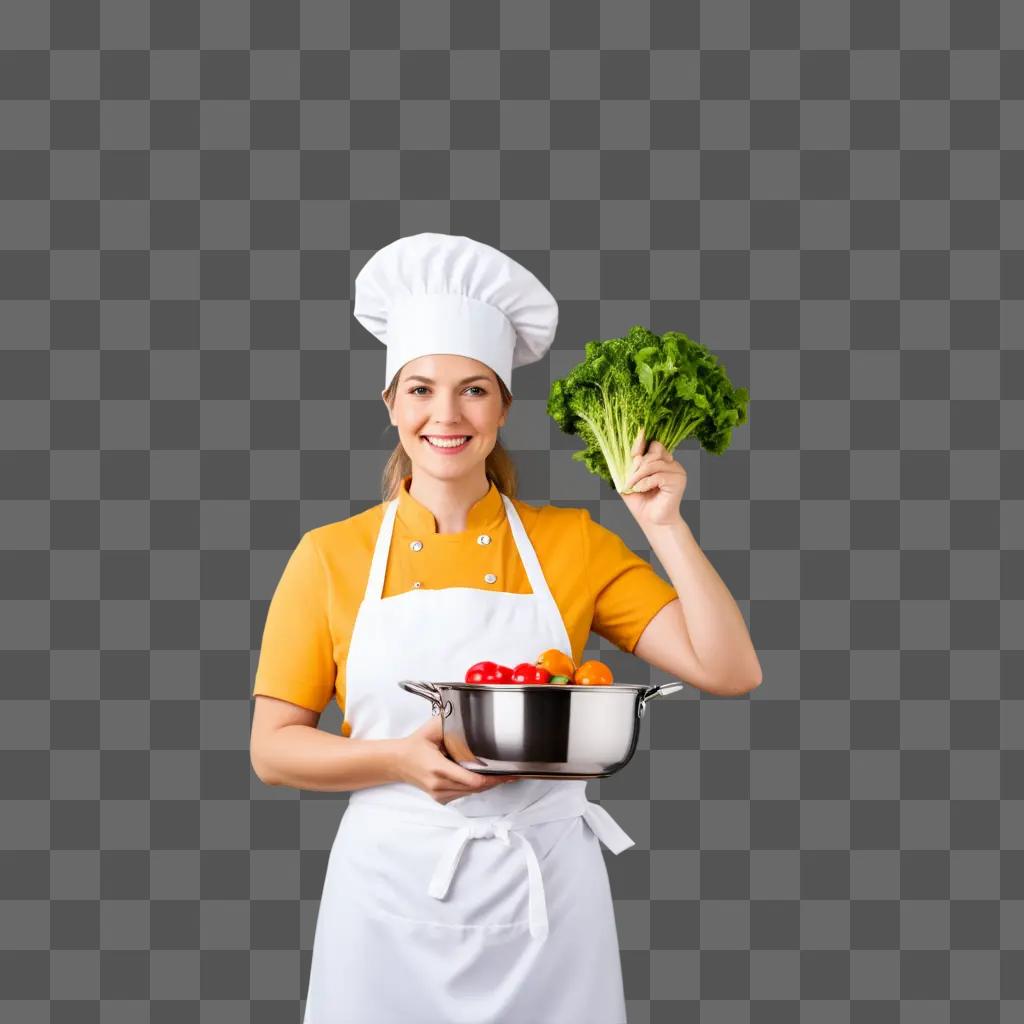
(830, 194)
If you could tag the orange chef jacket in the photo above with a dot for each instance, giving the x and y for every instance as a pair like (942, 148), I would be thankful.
(598, 583)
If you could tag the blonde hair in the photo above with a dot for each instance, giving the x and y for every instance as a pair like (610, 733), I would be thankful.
(499, 467)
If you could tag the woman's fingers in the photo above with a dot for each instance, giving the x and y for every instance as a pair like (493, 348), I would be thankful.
(463, 778)
(646, 462)
(649, 481)
(638, 444)
(447, 795)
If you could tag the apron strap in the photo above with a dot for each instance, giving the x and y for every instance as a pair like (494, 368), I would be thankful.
(381, 550)
(534, 572)
(606, 828)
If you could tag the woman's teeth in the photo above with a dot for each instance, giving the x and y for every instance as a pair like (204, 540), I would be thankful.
(446, 444)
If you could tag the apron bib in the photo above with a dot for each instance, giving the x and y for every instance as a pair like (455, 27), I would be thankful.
(494, 908)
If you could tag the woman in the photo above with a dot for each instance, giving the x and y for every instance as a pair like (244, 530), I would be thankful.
(449, 896)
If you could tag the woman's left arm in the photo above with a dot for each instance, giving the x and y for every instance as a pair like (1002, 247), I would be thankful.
(714, 632)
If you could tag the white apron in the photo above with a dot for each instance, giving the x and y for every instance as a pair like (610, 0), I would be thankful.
(494, 908)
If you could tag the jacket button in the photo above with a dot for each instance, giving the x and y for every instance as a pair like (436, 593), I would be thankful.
(490, 577)
(416, 545)
(483, 539)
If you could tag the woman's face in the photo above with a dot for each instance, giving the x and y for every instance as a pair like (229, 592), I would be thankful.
(445, 403)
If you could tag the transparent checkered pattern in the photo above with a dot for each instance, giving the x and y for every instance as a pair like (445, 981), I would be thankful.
(830, 194)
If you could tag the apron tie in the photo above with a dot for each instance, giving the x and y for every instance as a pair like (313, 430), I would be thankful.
(483, 828)
(600, 822)
(606, 828)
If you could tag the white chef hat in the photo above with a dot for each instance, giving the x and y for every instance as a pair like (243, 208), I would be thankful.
(430, 294)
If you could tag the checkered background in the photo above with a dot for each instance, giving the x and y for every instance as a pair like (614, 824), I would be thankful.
(829, 194)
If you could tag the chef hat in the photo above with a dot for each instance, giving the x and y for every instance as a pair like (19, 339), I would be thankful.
(429, 294)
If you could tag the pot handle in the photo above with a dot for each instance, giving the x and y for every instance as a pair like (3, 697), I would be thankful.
(427, 690)
(656, 691)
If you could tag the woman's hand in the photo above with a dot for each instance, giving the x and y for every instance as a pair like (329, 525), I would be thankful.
(658, 483)
(422, 762)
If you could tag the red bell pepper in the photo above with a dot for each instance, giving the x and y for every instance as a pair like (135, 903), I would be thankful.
(526, 672)
(488, 672)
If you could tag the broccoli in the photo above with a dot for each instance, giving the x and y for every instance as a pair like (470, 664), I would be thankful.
(669, 385)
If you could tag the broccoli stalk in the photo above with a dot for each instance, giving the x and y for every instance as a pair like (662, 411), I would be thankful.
(670, 386)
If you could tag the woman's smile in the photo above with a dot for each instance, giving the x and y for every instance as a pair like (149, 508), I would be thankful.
(447, 446)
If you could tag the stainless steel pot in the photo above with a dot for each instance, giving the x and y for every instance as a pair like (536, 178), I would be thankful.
(538, 730)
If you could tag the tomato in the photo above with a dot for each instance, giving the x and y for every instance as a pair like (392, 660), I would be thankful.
(488, 672)
(557, 663)
(526, 673)
(477, 673)
(593, 673)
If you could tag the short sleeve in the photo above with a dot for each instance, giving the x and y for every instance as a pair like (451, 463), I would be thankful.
(296, 661)
(628, 592)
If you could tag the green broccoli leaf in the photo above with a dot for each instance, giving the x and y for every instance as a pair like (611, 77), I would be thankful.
(670, 386)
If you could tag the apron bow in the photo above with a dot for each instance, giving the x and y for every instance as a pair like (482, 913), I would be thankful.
(601, 823)
(484, 828)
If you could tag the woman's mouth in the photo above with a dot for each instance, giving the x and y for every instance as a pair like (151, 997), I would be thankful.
(446, 446)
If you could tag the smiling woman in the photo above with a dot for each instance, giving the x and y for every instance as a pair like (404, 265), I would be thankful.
(440, 396)
(449, 569)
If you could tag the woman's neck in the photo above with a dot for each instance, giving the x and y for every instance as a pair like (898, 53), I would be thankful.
(449, 501)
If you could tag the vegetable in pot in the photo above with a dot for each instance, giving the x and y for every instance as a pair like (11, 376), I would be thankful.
(525, 672)
(670, 386)
(593, 673)
(488, 672)
(557, 662)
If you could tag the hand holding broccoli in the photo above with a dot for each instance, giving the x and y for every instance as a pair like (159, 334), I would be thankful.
(666, 387)
(655, 486)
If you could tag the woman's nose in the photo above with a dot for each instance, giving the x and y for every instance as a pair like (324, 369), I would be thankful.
(446, 410)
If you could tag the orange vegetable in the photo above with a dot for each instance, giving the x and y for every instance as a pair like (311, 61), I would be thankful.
(593, 673)
(557, 663)
(346, 728)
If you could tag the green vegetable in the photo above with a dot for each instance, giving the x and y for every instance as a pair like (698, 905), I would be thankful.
(670, 386)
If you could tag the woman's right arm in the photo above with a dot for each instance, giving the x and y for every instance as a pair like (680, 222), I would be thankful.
(287, 749)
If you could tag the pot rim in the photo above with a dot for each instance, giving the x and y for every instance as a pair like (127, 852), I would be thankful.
(530, 686)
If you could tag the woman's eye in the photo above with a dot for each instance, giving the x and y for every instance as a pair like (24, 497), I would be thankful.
(472, 387)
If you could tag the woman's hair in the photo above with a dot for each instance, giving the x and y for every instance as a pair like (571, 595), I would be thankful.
(499, 467)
